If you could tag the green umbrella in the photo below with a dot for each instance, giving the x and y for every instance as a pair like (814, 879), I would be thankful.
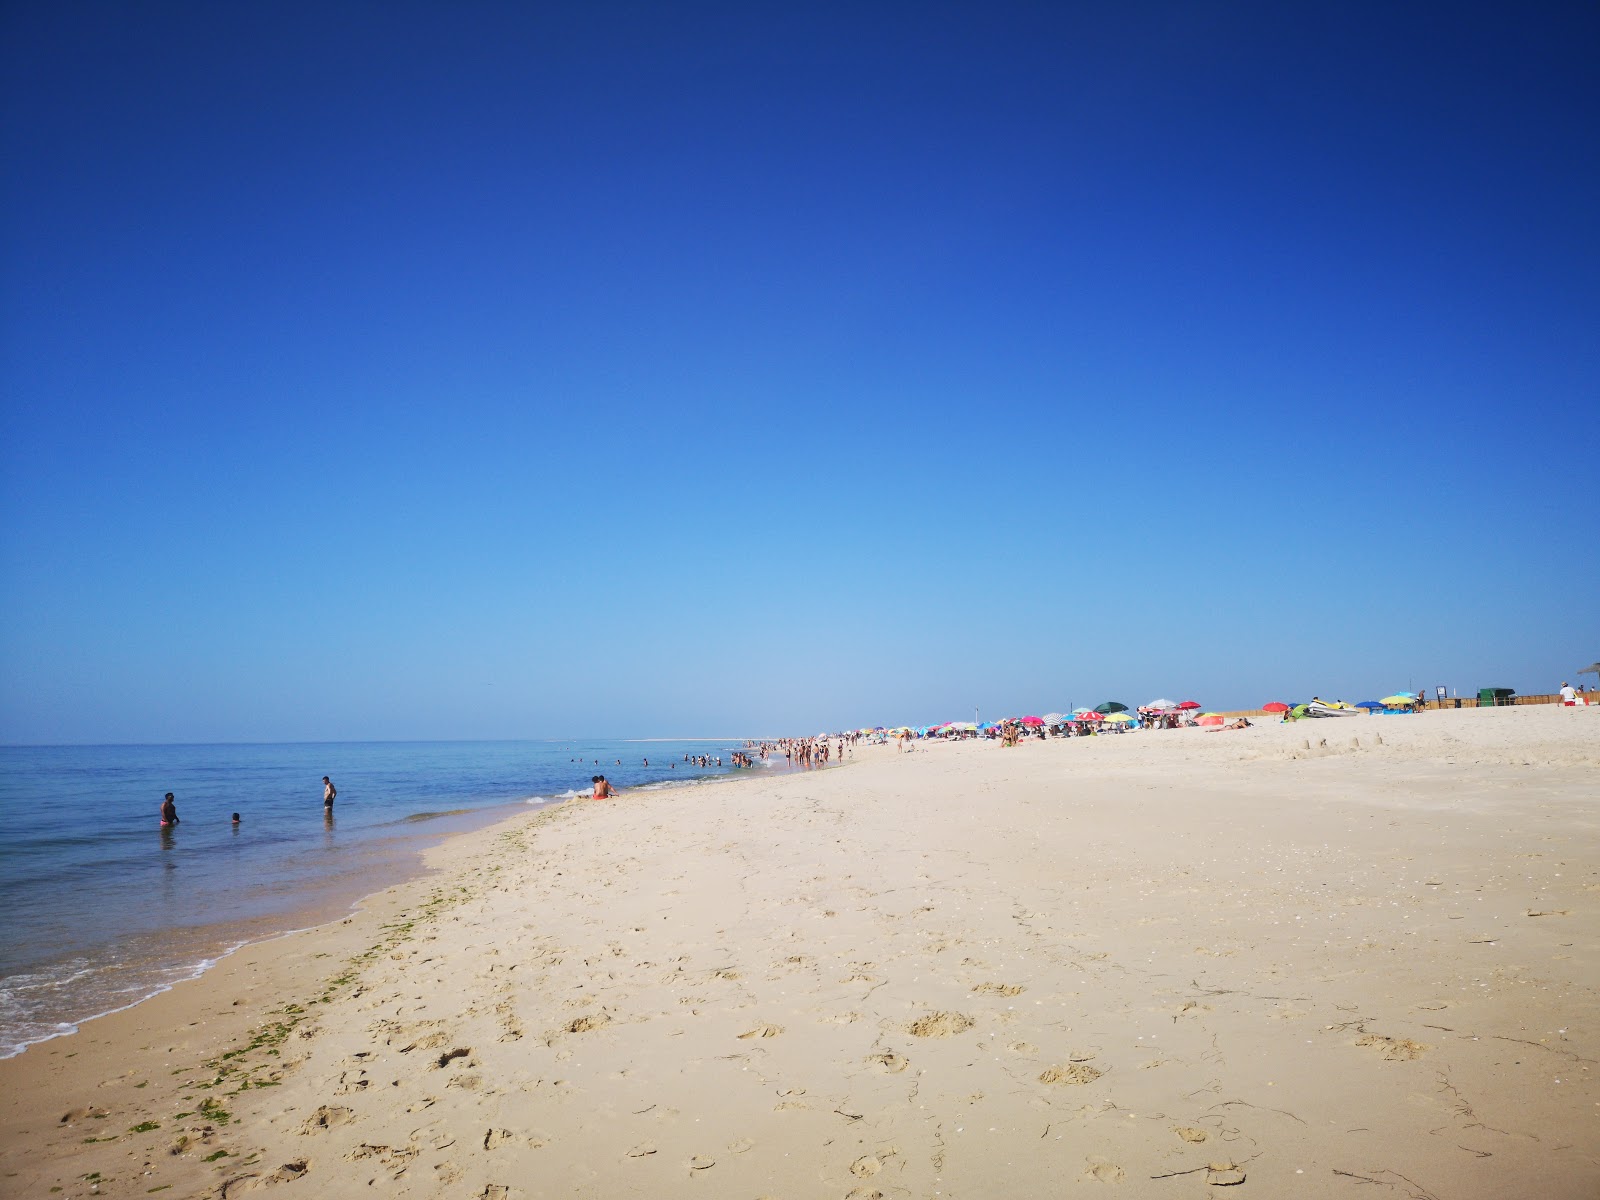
(1109, 707)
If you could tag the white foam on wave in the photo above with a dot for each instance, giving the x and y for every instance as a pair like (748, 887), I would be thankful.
(24, 1036)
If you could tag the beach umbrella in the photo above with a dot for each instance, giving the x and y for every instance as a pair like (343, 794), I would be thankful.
(1080, 713)
(1109, 707)
(1054, 718)
(1091, 715)
(1190, 704)
(1032, 722)
(1119, 717)
(1370, 704)
(1397, 698)
(1160, 704)
(1275, 706)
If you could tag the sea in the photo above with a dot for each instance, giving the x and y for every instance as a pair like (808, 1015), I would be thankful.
(102, 907)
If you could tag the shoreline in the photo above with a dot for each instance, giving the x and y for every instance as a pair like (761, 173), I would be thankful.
(97, 925)
(386, 866)
(1102, 938)
(129, 1061)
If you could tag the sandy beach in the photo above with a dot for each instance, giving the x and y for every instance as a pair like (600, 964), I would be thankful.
(1334, 958)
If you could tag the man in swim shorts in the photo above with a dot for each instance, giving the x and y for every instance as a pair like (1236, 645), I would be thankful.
(328, 793)
(169, 811)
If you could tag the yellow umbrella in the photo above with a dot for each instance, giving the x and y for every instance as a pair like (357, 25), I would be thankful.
(1118, 717)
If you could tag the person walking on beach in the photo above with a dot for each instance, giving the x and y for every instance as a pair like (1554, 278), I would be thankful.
(328, 793)
(169, 811)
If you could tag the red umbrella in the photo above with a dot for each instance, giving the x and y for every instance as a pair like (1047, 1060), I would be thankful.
(1189, 704)
(1092, 716)
(1032, 721)
(1275, 706)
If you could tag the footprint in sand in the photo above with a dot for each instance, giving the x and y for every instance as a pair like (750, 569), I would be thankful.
(1105, 1170)
(1023, 1048)
(762, 1031)
(869, 1165)
(586, 1024)
(289, 1172)
(940, 1025)
(325, 1118)
(891, 1062)
(999, 989)
(495, 1136)
(1394, 1049)
(1071, 1074)
(742, 1146)
(1189, 1133)
(81, 1114)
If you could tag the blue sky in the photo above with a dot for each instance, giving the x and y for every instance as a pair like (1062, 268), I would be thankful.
(499, 370)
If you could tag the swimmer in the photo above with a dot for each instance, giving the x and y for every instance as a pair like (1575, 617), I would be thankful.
(169, 811)
(235, 818)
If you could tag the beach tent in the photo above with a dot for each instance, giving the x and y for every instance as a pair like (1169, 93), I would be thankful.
(1209, 719)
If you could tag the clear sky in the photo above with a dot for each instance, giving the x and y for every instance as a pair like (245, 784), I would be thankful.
(403, 370)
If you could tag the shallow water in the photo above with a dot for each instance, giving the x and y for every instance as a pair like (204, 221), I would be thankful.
(100, 906)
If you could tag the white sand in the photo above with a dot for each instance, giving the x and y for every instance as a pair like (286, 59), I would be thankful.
(1145, 963)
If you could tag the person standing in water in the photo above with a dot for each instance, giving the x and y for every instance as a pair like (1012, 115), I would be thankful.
(169, 811)
(328, 793)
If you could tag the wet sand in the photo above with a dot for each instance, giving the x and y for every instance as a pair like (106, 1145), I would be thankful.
(1152, 963)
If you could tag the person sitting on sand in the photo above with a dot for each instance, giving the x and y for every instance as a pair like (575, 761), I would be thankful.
(602, 788)
(169, 811)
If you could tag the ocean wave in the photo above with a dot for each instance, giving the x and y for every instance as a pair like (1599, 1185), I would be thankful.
(18, 1031)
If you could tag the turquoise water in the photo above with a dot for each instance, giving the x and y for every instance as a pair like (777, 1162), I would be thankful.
(101, 907)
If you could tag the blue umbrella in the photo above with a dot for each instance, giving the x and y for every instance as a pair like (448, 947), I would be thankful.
(1369, 704)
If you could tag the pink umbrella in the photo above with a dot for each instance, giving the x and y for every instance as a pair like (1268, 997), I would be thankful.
(1189, 704)
(1211, 720)
(1032, 722)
